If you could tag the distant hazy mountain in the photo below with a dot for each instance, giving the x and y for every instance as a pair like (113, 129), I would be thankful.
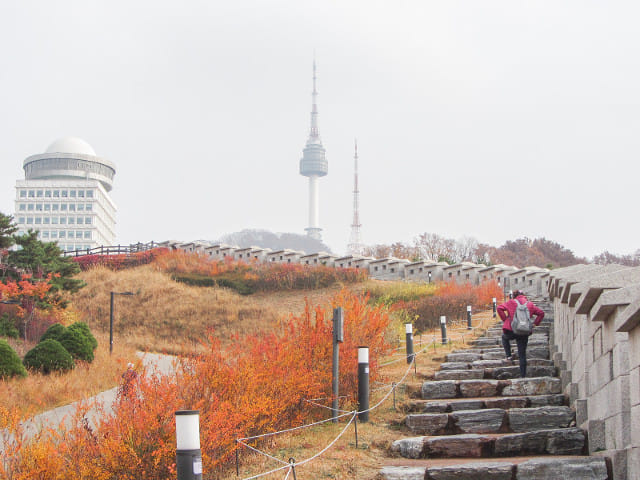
(274, 241)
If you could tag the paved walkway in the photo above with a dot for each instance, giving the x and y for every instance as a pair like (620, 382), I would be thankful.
(153, 362)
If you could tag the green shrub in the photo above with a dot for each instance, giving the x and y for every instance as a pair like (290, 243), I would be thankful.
(54, 332)
(79, 346)
(10, 364)
(48, 356)
(194, 279)
(83, 328)
(7, 327)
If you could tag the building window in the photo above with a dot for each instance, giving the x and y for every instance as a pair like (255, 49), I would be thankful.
(45, 234)
(81, 207)
(39, 207)
(89, 193)
(30, 207)
(54, 234)
(47, 207)
(411, 272)
(47, 194)
(375, 269)
(23, 194)
(63, 207)
(81, 193)
(64, 194)
(393, 270)
(63, 220)
(29, 220)
(530, 282)
(39, 193)
(22, 207)
(56, 194)
(46, 220)
(72, 193)
(515, 280)
(20, 219)
(72, 220)
(88, 207)
(62, 234)
(79, 234)
(72, 207)
(54, 220)
(32, 193)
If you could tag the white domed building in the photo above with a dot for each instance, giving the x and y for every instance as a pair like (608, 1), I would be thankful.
(65, 196)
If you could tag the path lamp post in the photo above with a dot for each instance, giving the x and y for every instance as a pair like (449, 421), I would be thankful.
(429, 277)
(443, 329)
(363, 384)
(188, 454)
(494, 307)
(113, 294)
(409, 339)
(469, 327)
(338, 338)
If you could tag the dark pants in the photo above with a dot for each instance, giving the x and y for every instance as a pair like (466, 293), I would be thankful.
(521, 341)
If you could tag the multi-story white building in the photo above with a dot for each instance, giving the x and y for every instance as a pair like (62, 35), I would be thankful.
(65, 196)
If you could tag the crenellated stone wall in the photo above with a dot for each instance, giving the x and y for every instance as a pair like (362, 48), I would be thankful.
(531, 280)
(596, 340)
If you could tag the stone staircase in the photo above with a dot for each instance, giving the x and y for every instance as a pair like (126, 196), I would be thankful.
(478, 420)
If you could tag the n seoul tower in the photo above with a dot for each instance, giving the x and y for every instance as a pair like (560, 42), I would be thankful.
(314, 165)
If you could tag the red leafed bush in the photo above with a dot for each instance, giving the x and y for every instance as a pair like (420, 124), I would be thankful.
(451, 299)
(257, 384)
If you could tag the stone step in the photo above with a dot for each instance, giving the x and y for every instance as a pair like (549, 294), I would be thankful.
(491, 420)
(442, 389)
(452, 405)
(558, 441)
(491, 341)
(535, 468)
(498, 373)
(533, 351)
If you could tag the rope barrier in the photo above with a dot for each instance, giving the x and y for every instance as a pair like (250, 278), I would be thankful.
(291, 464)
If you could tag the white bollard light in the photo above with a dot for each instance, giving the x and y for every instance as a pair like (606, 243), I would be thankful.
(188, 454)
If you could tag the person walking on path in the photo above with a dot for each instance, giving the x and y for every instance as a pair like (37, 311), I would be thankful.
(506, 311)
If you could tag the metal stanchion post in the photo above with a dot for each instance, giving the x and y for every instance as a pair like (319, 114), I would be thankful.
(409, 330)
(469, 327)
(188, 454)
(363, 383)
(443, 329)
(338, 338)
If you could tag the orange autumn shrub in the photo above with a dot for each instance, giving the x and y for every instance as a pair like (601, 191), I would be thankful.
(451, 300)
(258, 384)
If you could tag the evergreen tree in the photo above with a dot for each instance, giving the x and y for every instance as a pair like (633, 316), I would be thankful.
(42, 258)
(7, 229)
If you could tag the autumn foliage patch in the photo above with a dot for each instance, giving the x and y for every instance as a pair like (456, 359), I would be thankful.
(451, 299)
(257, 384)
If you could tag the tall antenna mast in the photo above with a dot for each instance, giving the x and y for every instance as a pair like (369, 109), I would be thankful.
(355, 242)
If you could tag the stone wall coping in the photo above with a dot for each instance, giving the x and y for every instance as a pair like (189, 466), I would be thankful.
(612, 299)
(589, 291)
(629, 318)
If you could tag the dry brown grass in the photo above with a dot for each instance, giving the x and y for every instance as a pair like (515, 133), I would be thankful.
(166, 316)
(39, 392)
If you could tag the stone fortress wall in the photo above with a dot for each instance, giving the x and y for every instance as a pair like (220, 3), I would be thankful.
(532, 280)
(596, 345)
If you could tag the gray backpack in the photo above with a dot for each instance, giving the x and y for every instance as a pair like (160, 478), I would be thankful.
(521, 323)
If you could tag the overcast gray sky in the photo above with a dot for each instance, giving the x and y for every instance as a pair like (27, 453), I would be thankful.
(491, 119)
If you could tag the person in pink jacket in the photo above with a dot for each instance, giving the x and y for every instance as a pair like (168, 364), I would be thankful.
(506, 311)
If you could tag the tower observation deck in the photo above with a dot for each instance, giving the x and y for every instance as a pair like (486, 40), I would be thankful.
(314, 165)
